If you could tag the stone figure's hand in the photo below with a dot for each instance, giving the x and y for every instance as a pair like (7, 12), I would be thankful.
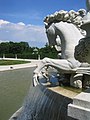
(35, 80)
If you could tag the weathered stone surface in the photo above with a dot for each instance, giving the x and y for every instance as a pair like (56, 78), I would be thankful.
(83, 100)
(80, 108)
(78, 112)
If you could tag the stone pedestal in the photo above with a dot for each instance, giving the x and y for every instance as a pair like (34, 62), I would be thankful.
(80, 108)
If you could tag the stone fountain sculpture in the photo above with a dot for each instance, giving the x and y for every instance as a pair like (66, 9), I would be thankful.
(43, 104)
(66, 26)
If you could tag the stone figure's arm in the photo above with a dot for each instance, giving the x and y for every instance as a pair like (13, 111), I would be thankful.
(88, 5)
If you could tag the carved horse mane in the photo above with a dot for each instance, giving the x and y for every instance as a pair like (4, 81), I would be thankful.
(74, 17)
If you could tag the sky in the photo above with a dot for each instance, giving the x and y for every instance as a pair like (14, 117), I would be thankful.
(22, 20)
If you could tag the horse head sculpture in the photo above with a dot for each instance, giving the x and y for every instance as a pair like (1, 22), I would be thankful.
(72, 17)
(66, 25)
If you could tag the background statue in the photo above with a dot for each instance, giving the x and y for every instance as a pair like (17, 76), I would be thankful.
(66, 25)
(82, 50)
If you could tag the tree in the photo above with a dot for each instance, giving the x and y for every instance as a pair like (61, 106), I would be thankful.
(48, 51)
(4, 47)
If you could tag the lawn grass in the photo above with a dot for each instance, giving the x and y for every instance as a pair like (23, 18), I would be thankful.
(12, 62)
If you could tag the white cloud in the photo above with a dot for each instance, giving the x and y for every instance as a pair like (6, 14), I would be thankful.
(3, 22)
(20, 23)
(16, 32)
(3, 41)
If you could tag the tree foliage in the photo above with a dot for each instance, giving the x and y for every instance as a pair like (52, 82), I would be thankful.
(23, 50)
(48, 51)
